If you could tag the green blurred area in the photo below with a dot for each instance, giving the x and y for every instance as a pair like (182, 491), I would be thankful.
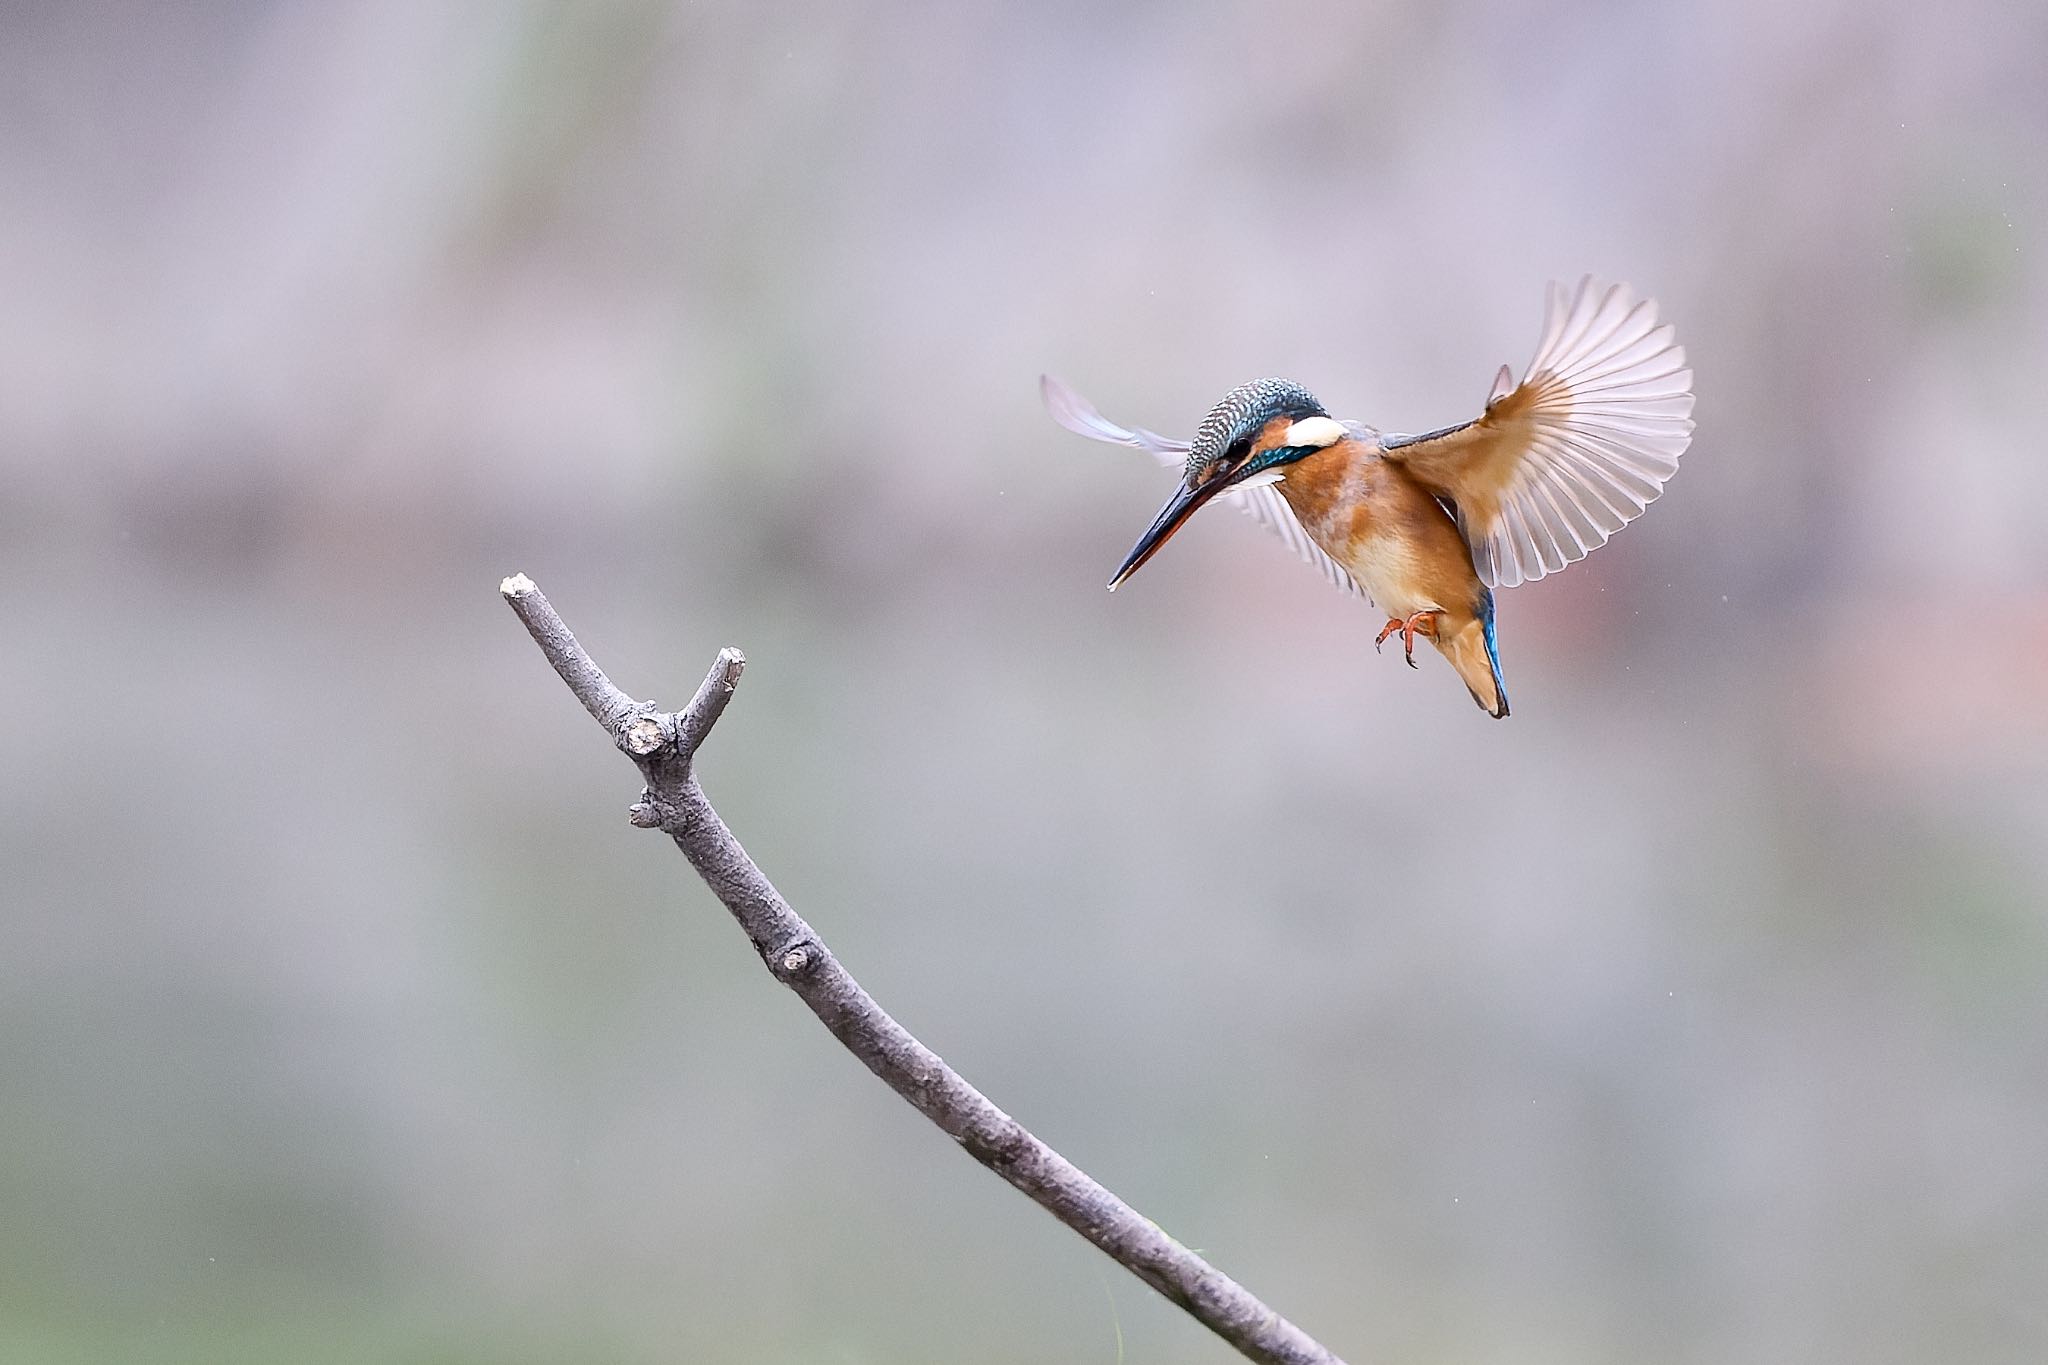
(1695, 1014)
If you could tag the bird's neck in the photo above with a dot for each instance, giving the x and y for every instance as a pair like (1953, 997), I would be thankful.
(1326, 483)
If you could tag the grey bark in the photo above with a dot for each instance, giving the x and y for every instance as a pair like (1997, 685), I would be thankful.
(664, 744)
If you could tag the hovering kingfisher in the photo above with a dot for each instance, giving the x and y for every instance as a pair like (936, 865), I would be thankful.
(1428, 526)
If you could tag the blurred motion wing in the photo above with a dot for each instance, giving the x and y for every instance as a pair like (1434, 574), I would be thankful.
(1262, 503)
(1079, 416)
(1265, 506)
(1577, 450)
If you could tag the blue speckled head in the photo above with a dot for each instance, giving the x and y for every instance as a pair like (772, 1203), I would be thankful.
(1220, 457)
(1243, 413)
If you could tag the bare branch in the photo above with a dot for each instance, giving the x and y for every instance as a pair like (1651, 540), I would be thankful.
(709, 704)
(663, 745)
(609, 706)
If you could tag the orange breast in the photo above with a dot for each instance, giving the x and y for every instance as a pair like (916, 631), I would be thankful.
(1372, 518)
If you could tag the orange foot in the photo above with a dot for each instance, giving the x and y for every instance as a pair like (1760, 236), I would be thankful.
(1422, 623)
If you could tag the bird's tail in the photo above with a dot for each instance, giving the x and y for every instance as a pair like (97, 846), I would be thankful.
(1474, 653)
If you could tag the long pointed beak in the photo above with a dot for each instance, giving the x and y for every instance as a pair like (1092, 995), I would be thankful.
(1182, 505)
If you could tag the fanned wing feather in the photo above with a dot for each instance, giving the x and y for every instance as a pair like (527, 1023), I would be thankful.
(1262, 502)
(1577, 450)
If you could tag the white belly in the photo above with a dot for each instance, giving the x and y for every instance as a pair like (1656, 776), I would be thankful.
(1388, 569)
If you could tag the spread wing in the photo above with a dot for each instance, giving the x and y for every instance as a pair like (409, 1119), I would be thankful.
(1261, 502)
(1577, 450)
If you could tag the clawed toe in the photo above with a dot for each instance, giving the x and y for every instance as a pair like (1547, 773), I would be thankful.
(1422, 623)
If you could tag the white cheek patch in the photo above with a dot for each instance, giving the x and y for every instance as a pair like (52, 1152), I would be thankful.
(1314, 431)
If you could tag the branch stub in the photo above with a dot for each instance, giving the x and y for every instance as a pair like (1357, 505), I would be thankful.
(643, 735)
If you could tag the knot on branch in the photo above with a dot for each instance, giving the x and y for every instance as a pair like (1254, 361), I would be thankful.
(794, 959)
(646, 734)
(651, 812)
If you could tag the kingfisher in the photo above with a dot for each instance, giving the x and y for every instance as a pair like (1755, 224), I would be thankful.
(1428, 526)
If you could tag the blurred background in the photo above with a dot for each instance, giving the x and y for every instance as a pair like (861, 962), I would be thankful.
(1699, 1013)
